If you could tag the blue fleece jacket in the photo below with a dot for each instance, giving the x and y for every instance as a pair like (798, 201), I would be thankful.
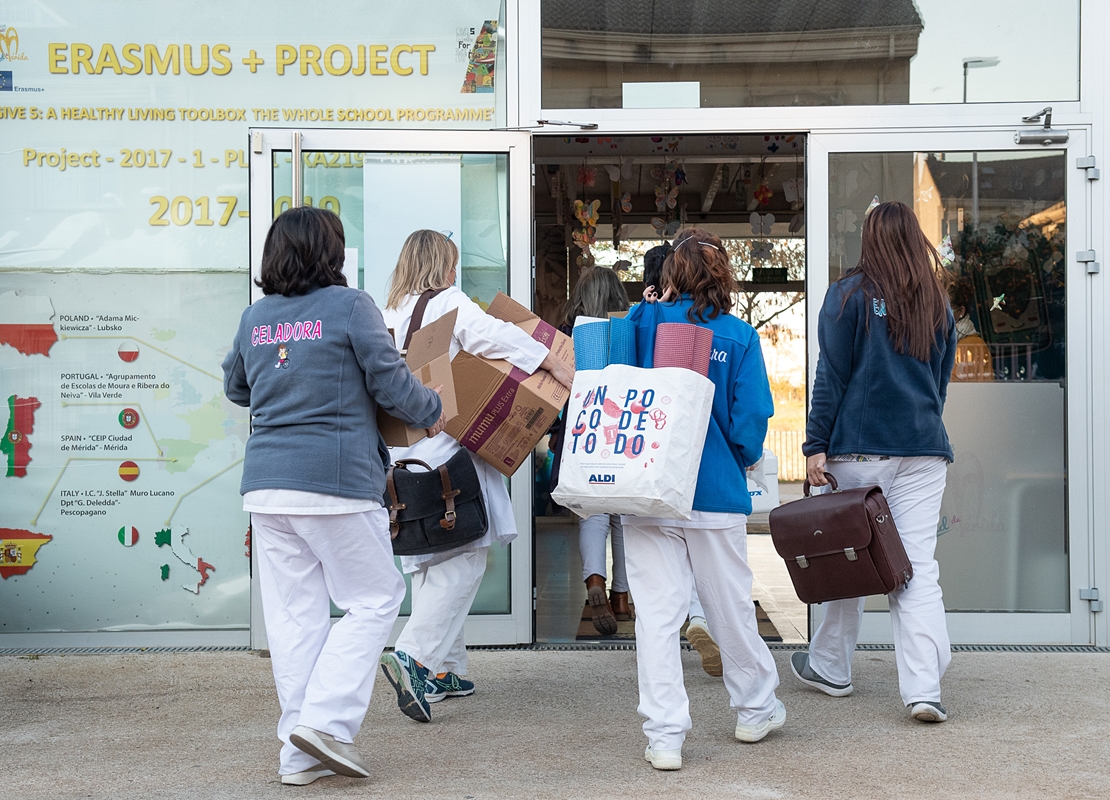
(867, 398)
(741, 403)
(314, 369)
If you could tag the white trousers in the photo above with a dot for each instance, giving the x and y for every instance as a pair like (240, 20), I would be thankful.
(664, 562)
(325, 673)
(913, 488)
(695, 605)
(592, 534)
(442, 593)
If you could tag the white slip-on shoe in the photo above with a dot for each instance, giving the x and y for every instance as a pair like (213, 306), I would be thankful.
(333, 754)
(305, 777)
(664, 759)
(928, 711)
(753, 733)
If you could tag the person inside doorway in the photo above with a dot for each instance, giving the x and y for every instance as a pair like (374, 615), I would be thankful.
(313, 481)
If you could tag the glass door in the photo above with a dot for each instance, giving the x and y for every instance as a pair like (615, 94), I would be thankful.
(1014, 541)
(473, 186)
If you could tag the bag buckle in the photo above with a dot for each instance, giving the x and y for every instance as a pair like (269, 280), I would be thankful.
(448, 521)
(802, 562)
(850, 552)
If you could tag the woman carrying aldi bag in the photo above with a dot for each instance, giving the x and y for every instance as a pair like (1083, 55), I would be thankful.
(666, 557)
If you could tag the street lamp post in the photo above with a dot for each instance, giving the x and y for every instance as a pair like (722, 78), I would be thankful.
(976, 62)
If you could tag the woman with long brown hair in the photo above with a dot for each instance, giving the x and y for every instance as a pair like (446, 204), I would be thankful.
(888, 342)
(666, 558)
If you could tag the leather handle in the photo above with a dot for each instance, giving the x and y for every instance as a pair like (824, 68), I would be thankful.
(395, 504)
(418, 314)
(404, 464)
(832, 481)
(449, 495)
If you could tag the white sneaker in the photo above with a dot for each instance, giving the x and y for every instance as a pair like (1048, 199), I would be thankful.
(753, 733)
(928, 711)
(697, 634)
(306, 777)
(333, 754)
(664, 759)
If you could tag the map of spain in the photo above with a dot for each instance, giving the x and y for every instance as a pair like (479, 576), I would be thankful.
(26, 323)
(17, 436)
(18, 549)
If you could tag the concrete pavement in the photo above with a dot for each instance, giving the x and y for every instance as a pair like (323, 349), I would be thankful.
(549, 724)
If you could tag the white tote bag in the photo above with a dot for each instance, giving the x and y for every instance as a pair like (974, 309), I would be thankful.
(633, 441)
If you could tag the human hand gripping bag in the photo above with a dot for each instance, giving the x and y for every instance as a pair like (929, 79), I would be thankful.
(633, 442)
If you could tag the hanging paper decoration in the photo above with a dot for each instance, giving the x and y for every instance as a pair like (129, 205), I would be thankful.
(614, 172)
(762, 250)
(763, 193)
(873, 206)
(664, 198)
(680, 175)
(587, 213)
(626, 202)
(483, 56)
(792, 189)
(587, 176)
(947, 254)
(761, 223)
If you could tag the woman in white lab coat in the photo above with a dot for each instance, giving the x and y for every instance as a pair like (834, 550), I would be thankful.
(429, 659)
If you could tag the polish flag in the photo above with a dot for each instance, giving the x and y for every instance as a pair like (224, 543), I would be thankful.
(25, 323)
(128, 351)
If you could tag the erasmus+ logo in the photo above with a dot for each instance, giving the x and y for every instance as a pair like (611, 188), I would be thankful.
(9, 46)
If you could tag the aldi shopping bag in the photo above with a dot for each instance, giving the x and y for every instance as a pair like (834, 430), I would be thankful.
(633, 441)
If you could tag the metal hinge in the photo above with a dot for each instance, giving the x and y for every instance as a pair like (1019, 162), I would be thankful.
(535, 594)
(802, 561)
(1088, 257)
(1088, 163)
(1091, 596)
(534, 174)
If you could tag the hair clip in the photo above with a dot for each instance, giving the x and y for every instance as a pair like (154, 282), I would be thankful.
(706, 244)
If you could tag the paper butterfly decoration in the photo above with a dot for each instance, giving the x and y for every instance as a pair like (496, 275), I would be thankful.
(999, 302)
(663, 198)
(587, 176)
(614, 172)
(947, 254)
(761, 223)
(792, 189)
(762, 250)
(626, 168)
(680, 176)
(763, 193)
(873, 206)
(665, 172)
(583, 238)
(664, 228)
(587, 213)
(626, 202)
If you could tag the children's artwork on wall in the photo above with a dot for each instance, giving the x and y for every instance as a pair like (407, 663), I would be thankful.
(483, 57)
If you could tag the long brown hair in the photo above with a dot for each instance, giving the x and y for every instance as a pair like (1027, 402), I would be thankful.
(597, 292)
(426, 260)
(902, 270)
(699, 266)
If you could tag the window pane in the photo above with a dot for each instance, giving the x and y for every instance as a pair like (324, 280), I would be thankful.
(716, 53)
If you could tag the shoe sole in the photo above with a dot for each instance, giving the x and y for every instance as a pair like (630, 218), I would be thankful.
(306, 777)
(604, 621)
(708, 649)
(398, 677)
(927, 713)
(831, 691)
(760, 733)
(436, 698)
(317, 748)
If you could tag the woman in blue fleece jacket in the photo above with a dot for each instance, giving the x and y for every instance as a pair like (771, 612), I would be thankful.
(665, 557)
(314, 361)
(888, 342)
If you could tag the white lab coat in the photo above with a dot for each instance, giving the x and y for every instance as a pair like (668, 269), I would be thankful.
(479, 334)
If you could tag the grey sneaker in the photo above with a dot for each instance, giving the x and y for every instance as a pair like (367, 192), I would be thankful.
(305, 777)
(928, 711)
(333, 754)
(754, 733)
(799, 665)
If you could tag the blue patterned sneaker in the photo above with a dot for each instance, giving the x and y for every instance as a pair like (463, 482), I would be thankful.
(449, 685)
(408, 678)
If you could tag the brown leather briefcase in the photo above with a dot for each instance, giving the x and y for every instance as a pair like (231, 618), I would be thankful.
(840, 544)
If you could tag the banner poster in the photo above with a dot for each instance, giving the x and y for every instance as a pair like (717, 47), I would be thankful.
(124, 268)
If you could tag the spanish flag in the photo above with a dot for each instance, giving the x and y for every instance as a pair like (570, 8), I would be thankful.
(18, 549)
(129, 470)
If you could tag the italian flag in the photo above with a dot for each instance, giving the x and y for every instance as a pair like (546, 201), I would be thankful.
(128, 537)
(25, 323)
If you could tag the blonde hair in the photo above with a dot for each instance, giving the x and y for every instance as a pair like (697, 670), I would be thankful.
(426, 261)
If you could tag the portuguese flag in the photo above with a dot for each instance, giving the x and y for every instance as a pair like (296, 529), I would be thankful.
(17, 437)
(18, 549)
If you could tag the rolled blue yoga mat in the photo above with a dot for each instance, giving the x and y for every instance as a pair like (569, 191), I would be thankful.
(622, 341)
(591, 344)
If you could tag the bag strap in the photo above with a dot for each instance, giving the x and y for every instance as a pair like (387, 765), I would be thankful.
(828, 476)
(449, 495)
(395, 504)
(418, 314)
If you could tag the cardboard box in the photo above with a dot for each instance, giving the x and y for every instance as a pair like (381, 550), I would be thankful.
(429, 358)
(503, 412)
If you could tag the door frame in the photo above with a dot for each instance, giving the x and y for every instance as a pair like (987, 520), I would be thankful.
(1078, 626)
(491, 629)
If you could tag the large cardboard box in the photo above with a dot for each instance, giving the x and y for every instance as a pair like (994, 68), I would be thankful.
(429, 358)
(504, 412)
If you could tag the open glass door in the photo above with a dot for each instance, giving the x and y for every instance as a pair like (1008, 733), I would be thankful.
(474, 186)
(1015, 542)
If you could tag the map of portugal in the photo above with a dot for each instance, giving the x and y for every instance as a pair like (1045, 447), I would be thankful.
(26, 323)
(18, 549)
(17, 437)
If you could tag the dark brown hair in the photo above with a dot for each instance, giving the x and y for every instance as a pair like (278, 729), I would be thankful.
(699, 266)
(303, 251)
(901, 268)
(597, 292)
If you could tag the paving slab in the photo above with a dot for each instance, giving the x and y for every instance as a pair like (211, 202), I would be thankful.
(556, 725)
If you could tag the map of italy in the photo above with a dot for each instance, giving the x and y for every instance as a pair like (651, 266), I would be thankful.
(26, 323)
(17, 437)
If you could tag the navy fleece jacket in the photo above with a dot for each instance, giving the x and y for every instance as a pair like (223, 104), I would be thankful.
(314, 369)
(741, 402)
(867, 398)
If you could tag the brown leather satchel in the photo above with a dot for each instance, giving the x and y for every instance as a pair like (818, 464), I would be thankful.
(840, 544)
(436, 510)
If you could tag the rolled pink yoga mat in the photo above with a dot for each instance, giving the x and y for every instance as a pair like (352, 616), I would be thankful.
(680, 344)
